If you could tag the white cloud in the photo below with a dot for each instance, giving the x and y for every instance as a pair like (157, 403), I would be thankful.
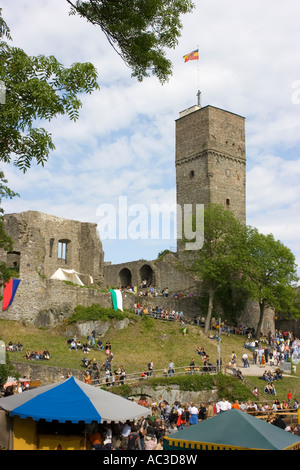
(273, 203)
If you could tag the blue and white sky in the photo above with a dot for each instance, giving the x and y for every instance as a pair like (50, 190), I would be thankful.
(123, 144)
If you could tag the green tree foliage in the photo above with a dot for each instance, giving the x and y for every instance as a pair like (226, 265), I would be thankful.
(269, 273)
(37, 89)
(232, 300)
(5, 241)
(139, 30)
(217, 262)
(161, 254)
(294, 312)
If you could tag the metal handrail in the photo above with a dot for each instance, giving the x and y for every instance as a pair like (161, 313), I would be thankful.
(160, 373)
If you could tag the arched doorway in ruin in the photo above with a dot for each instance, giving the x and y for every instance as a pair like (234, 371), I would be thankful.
(125, 277)
(147, 277)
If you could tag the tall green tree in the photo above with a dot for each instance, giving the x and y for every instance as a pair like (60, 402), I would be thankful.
(138, 30)
(269, 273)
(218, 261)
(6, 242)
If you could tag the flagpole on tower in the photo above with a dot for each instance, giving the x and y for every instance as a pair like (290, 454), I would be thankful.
(199, 92)
(194, 55)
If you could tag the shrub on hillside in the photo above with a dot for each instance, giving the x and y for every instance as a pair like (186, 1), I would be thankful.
(95, 313)
(232, 388)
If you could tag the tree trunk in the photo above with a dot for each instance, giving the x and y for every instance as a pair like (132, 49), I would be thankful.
(260, 321)
(209, 310)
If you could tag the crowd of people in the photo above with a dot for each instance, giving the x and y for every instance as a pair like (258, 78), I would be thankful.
(163, 419)
(263, 353)
(158, 312)
(111, 377)
(16, 386)
(274, 349)
(271, 376)
(32, 355)
(146, 289)
(103, 372)
(38, 355)
(14, 346)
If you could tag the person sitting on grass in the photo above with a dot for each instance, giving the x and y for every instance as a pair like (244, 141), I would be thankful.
(46, 354)
(238, 374)
(270, 389)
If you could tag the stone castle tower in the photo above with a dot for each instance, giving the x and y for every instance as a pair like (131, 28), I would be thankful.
(210, 159)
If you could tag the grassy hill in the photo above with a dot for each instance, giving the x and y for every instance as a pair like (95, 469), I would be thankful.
(144, 340)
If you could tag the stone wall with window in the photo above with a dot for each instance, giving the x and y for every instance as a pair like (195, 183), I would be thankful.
(42, 244)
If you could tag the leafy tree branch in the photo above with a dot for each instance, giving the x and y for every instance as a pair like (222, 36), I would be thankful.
(138, 30)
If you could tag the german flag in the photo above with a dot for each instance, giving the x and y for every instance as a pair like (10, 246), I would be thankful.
(191, 56)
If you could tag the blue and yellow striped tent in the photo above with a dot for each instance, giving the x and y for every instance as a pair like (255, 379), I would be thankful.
(232, 430)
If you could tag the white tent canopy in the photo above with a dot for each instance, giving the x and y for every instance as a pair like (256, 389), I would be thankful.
(67, 275)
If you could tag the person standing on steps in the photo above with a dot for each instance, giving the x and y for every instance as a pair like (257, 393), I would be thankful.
(171, 368)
